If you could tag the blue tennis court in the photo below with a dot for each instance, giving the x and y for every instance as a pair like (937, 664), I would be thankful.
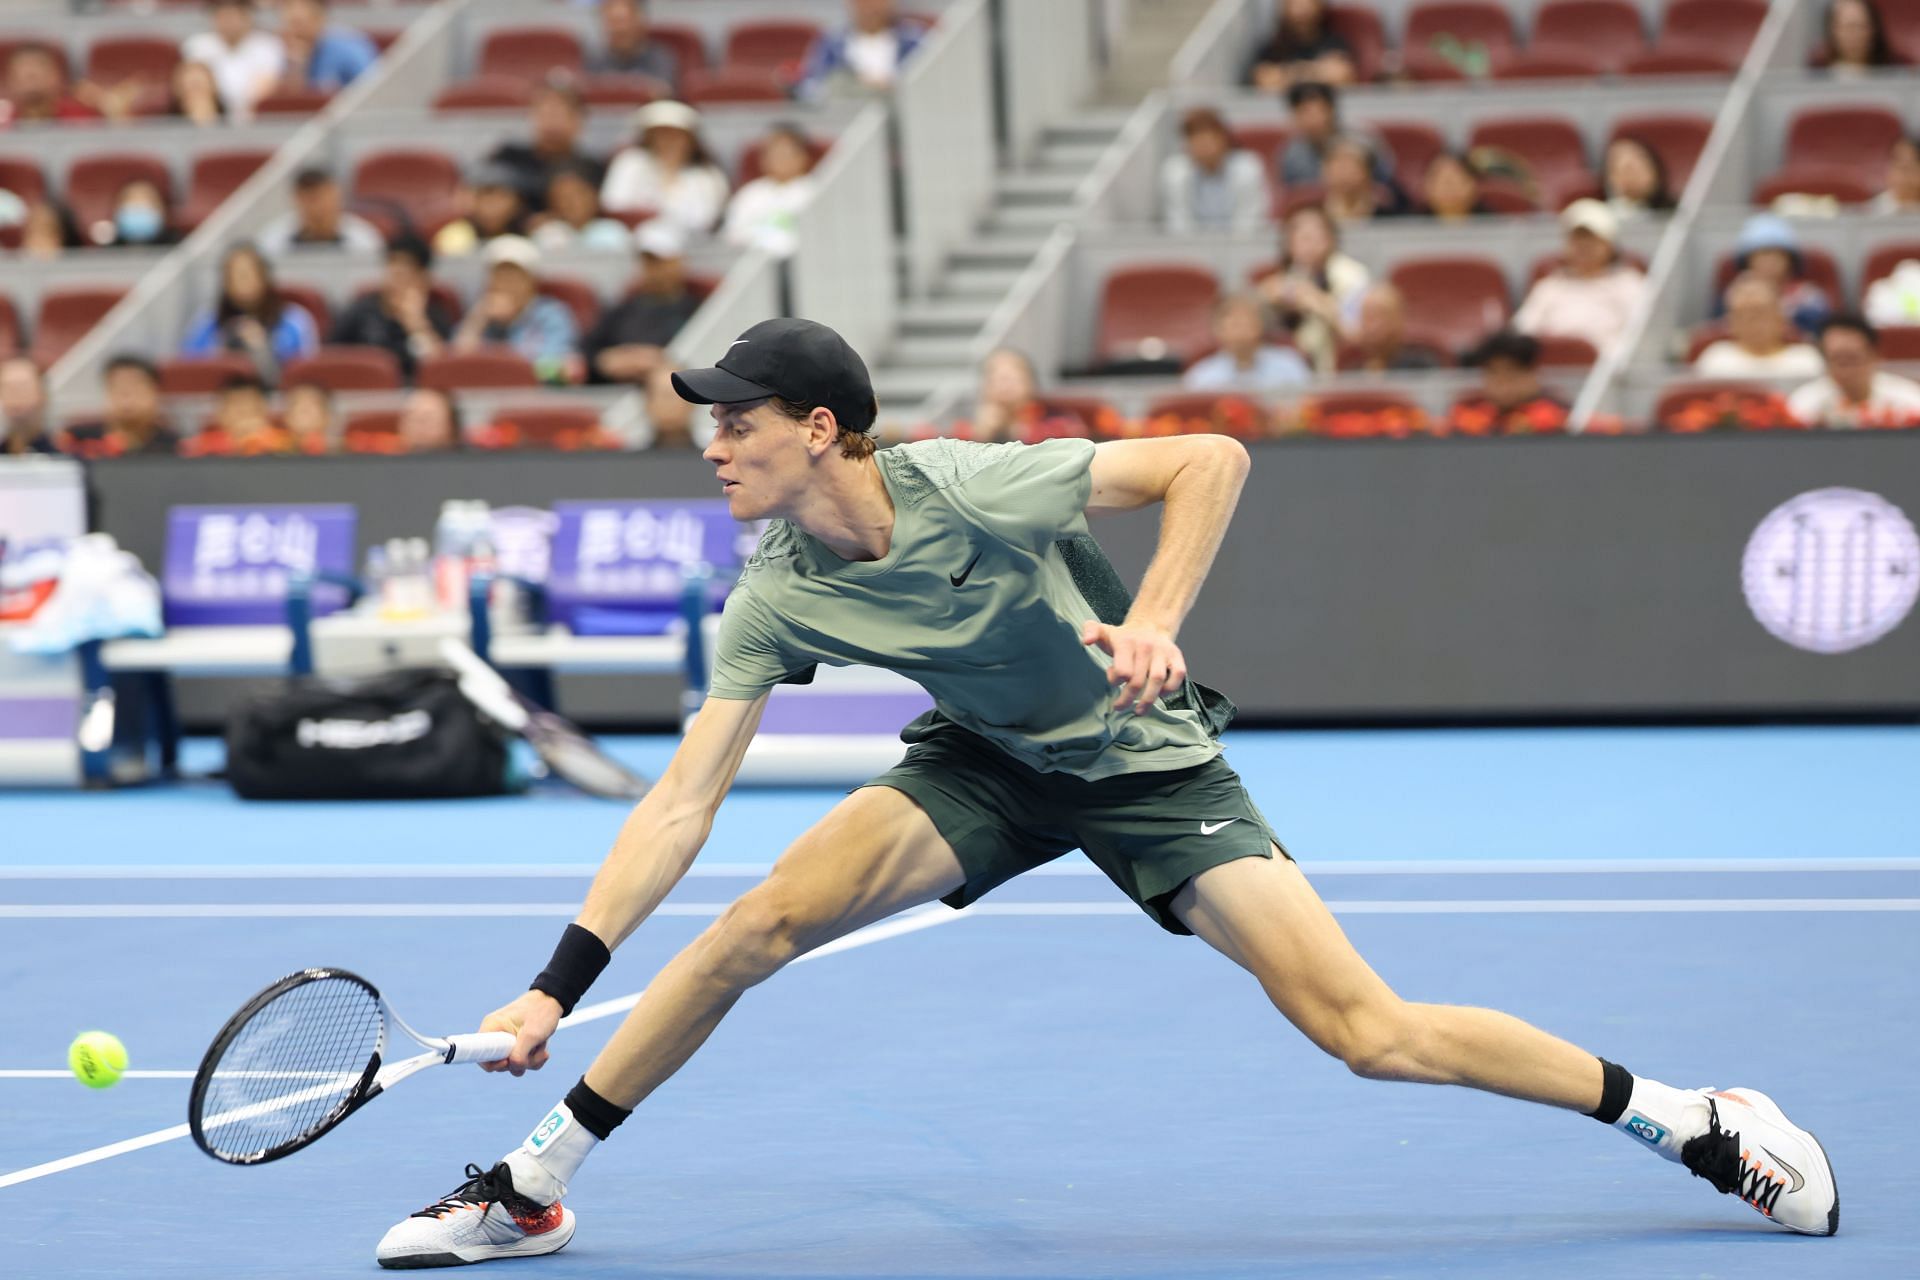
(1045, 1085)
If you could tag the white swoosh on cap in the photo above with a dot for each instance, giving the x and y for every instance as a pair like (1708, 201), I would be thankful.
(731, 346)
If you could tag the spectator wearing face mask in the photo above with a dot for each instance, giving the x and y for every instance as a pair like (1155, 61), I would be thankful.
(140, 219)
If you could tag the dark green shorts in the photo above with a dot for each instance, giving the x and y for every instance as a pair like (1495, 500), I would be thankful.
(1149, 832)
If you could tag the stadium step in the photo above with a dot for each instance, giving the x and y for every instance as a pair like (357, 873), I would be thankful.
(1054, 189)
(951, 352)
(1025, 225)
(1077, 156)
(897, 386)
(943, 317)
(992, 253)
(985, 285)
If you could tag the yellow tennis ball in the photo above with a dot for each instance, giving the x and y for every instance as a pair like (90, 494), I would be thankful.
(97, 1058)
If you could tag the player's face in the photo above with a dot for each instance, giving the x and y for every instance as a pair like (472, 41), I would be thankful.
(760, 458)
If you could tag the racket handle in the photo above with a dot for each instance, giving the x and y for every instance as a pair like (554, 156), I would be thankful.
(481, 1046)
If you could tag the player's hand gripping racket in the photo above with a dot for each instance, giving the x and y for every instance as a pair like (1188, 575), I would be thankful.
(302, 1056)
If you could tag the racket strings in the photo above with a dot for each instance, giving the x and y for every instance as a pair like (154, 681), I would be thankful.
(291, 1066)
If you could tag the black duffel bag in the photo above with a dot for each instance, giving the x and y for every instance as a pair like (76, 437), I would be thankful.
(399, 735)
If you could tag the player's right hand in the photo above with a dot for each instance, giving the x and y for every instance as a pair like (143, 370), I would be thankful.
(531, 1020)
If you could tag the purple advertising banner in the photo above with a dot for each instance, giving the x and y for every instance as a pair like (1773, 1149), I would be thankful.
(634, 554)
(229, 566)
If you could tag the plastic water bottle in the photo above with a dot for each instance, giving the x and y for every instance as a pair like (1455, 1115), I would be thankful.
(374, 576)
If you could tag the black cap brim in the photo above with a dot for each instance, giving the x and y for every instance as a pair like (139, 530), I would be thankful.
(716, 386)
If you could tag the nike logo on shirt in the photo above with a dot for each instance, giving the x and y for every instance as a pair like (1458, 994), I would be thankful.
(957, 579)
(1208, 828)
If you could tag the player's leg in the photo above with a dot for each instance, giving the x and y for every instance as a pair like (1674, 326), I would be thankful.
(1262, 914)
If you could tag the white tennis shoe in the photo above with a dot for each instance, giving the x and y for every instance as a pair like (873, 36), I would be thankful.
(479, 1221)
(1751, 1150)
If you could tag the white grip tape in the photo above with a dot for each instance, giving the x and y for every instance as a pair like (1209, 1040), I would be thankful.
(481, 1046)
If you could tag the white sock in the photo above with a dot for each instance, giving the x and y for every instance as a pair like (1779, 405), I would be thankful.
(1662, 1117)
(552, 1154)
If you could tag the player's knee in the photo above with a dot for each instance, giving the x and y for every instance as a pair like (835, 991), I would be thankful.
(755, 936)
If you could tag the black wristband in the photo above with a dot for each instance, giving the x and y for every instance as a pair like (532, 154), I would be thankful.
(577, 961)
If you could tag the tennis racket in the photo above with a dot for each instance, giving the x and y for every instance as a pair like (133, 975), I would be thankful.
(301, 1057)
(561, 745)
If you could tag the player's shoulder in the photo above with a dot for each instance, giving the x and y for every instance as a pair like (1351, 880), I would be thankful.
(778, 547)
(920, 468)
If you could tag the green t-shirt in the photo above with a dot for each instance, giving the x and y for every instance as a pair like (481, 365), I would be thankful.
(976, 600)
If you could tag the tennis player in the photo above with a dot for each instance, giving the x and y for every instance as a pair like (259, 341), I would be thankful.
(967, 567)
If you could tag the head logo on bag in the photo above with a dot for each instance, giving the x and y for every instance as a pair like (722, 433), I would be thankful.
(358, 735)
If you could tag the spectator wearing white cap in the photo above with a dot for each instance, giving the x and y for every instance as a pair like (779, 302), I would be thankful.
(511, 311)
(667, 171)
(1854, 391)
(762, 213)
(629, 342)
(1759, 341)
(1592, 293)
(247, 63)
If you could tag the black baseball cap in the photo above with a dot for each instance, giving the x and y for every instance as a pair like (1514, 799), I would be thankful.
(797, 360)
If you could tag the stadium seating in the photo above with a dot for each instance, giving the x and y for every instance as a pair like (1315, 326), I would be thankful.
(1364, 33)
(579, 297)
(771, 44)
(65, 316)
(1414, 144)
(1157, 310)
(1467, 22)
(1723, 27)
(1835, 150)
(1677, 139)
(371, 431)
(345, 368)
(1552, 148)
(530, 53)
(688, 47)
(485, 93)
(311, 300)
(202, 375)
(94, 181)
(9, 327)
(215, 176)
(1884, 258)
(1819, 265)
(23, 178)
(732, 84)
(477, 369)
(1452, 302)
(417, 183)
(1609, 31)
(546, 426)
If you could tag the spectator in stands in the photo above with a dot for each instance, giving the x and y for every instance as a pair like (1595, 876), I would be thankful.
(1902, 194)
(1768, 248)
(1855, 391)
(573, 219)
(195, 97)
(1856, 42)
(1758, 342)
(627, 47)
(140, 219)
(762, 213)
(23, 408)
(861, 58)
(1209, 184)
(629, 342)
(1450, 188)
(512, 312)
(1509, 399)
(1315, 122)
(668, 170)
(1245, 360)
(319, 220)
(309, 416)
(1350, 188)
(558, 116)
(1634, 178)
(1380, 335)
(1593, 291)
(429, 422)
(134, 422)
(493, 210)
(242, 424)
(37, 91)
(1316, 290)
(252, 317)
(321, 57)
(1010, 407)
(401, 316)
(1304, 47)
(669, 419)
(48, 230)
(247, 63)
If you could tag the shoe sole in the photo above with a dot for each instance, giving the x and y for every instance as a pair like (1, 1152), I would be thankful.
(426, 1261)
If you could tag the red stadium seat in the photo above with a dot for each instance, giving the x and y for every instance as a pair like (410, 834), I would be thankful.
(1902, 23)
(579, 297)
(203, 375)
(215, 176)
(485, 93)
(9, 327)
(311, 301)
(1679, 395)
(732, 84)
(294, 102)
(1225, 412)
(23, 178)
(1502, 197)
(1364, 413)
(1457, 301)
(1351, 357)
(1414, 144)
(1881, 262)
(1467, 22)
(1609, 30)
(1364, 33)
(1852, 137)
(1566, 353)
(498, 367)
(66, 315)
(1818, 264)
(1676, 139)
(1842, 184)
(345, 368)
(530, 53)
(1900, 342)
(1682, 62)
(1091, 410)
(688, 45)
(372, 431)
(1155, 311)
(1723, 26)
(1553, 62)
(94, 181)
(618, 90)
(384, 38)
(771, 45)
(550, 426)
(114, 60)
(1265, 140)
(1553, 149)
(750, 158)
(419, 183)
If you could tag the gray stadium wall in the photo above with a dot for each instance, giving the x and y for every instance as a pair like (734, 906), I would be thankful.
(1395, 581)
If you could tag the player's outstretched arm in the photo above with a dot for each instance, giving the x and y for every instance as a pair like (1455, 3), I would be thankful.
(1198, 478)
(655, 847)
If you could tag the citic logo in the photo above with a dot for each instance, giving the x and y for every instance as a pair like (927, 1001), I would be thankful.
(1832, 570)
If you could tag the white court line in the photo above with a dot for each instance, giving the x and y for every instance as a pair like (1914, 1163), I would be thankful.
(1070, 867)
(911, 922)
